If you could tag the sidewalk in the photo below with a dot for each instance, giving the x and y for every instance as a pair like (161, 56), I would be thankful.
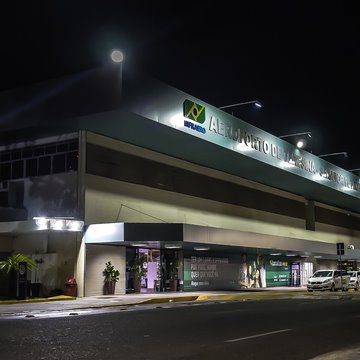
(62, 303)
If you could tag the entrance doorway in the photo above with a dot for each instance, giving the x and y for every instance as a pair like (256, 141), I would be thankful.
(151, 281)
(163, 270)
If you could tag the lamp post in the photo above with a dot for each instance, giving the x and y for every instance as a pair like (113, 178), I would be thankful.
(255, 102)
(118, 57)
(334, 154)
(301, 142)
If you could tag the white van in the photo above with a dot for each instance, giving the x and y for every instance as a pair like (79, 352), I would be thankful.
(332, 280)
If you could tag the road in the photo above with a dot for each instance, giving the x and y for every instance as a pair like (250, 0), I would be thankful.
(297, 329)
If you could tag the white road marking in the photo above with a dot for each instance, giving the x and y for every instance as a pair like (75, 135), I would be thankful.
(258, 335)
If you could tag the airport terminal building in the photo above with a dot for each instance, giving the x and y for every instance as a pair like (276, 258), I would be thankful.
(93, 170)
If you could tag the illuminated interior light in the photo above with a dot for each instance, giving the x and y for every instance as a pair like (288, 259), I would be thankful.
(172, 246)
(74, 225)
(57, 224)
(275, 254)
(201, 248)
(41, 222)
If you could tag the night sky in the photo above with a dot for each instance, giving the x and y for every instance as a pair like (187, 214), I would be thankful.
(301, 60)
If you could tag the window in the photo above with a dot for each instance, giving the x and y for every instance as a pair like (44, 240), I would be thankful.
(62, 147)
(59, 163)
(73, 145)
(5, 171)
(17, 169)
(72, 161)
(39, 151)
(5, 156)
(15, 155)
(46, 159)
(31, 167)
(27, 153)
(44, 165)
(50, 149)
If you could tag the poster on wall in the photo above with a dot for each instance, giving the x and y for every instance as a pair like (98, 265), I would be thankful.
(222, 273)
(277, 273)
(209, 273)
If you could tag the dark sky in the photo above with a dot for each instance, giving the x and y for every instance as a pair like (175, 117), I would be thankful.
(301, 60)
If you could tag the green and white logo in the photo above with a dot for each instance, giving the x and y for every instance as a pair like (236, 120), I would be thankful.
(194, 111)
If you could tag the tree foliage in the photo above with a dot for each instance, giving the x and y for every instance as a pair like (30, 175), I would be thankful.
(12, 263)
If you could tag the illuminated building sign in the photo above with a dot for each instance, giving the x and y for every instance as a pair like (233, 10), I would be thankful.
(232, 133)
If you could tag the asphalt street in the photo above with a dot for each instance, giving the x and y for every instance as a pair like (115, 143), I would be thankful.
(305, 326)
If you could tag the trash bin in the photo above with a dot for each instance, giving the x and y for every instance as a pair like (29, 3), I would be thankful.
(71, 287)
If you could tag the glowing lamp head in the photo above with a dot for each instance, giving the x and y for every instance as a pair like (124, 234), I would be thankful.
(117, 56)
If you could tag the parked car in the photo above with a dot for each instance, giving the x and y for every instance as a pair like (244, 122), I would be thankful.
(354, 280)
(332, 280)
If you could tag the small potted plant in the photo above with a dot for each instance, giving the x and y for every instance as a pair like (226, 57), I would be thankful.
(111, 277)
(138, 270)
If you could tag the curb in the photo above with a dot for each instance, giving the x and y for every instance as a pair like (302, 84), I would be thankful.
(171, 299)
(37, 300)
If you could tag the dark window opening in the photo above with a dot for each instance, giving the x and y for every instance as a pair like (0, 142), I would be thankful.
(31, 167)
(62, 147)
(50, 149)
(45, 165)
(27, 153)
(5, 156)
(5, 171)
(59, 163)
(72, 161)
(73, 145)
(39, 151)
(17, 170)
(15, 155)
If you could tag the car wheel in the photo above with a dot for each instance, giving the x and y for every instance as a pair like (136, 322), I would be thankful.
(357, 286)
(309, 290)
(332, 287)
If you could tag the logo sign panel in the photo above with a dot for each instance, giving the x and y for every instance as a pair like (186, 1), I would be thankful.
(194, 111)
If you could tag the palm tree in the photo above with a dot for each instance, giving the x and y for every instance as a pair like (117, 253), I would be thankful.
(11, 266)
(12, 263)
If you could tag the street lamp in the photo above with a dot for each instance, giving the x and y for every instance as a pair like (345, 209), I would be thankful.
(334, 154)
(301, 142)
(118, 57)
(255, 102)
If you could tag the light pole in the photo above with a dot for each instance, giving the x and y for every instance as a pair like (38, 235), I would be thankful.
(255, 102)
(301, 142)
(334, 154)
(118, 57)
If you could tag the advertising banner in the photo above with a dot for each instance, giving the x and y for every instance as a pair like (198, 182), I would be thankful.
(277, 273)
